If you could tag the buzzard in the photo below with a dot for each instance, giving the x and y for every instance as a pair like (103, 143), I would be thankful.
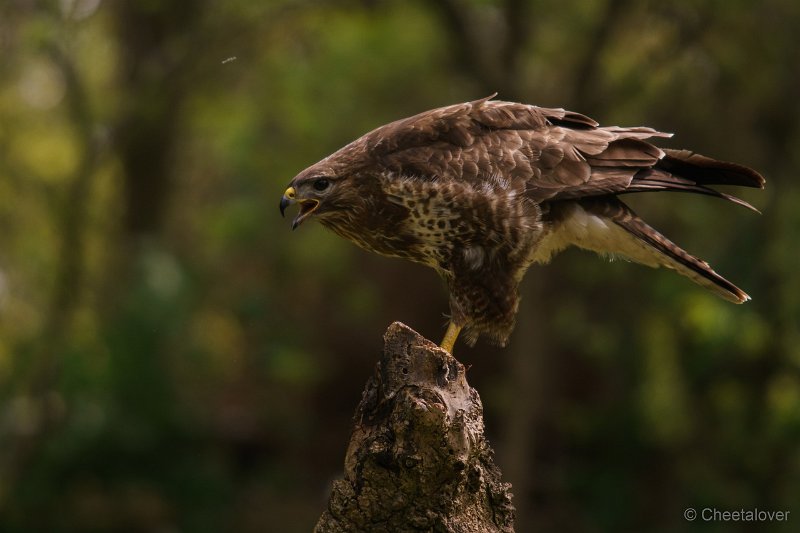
(481, 190)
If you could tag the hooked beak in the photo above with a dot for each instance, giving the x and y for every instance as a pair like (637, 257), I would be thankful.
(307, 206)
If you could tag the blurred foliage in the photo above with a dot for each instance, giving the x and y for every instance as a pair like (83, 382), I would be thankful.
(173, 358)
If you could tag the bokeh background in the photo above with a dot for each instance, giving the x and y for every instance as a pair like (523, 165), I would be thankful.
(174, 358)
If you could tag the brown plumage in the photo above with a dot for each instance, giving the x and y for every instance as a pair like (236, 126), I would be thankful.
(481, 190)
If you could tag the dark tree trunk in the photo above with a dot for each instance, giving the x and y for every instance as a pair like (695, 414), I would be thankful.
(418, 459)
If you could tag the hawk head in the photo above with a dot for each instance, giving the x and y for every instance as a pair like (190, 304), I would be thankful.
(313, 194)
(335, 190)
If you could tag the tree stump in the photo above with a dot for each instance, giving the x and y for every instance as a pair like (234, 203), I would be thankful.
(418, 459)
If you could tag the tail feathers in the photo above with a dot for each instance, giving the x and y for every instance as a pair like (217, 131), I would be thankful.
(656, 250)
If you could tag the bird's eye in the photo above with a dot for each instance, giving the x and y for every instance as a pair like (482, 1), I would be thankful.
(320, 184)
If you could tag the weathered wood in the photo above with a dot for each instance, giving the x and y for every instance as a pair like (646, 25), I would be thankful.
(418, 459)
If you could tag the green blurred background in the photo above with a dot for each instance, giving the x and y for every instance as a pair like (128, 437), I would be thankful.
(174, 358)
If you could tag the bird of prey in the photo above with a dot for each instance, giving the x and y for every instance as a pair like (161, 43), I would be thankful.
(481, 190)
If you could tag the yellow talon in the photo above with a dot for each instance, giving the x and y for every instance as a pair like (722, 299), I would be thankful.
(450, 337)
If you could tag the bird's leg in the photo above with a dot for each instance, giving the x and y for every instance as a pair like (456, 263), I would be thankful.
(450, 337)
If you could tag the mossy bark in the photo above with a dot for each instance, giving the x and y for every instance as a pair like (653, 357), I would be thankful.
(418, 459)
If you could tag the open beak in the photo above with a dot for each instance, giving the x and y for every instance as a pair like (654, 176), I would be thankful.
(307, 206)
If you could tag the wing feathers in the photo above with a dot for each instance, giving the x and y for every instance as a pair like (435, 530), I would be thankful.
(709, 171)
(552, 153)
(658, 180)
(627, 152)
